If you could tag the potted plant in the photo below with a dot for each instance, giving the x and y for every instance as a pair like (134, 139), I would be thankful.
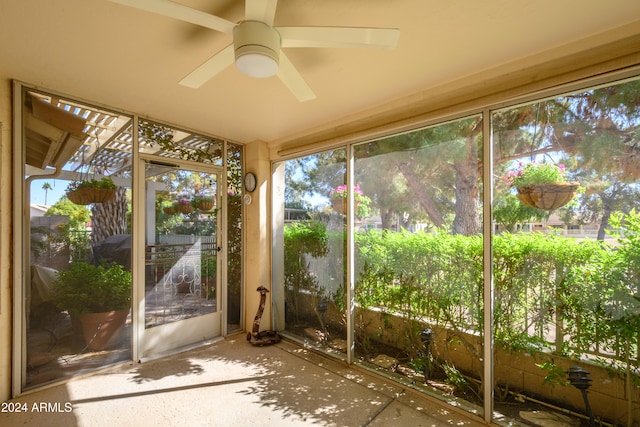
(361, 202)
(99, 296)
(542, 185)
(204, 203)
(164, 205)
(91, 191)
(183, 205)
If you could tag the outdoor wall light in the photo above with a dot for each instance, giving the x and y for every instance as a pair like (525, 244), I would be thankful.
(426, 336)
(579, 378)
(322, 307)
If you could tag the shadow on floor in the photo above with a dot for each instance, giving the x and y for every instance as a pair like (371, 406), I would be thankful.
(231, 383)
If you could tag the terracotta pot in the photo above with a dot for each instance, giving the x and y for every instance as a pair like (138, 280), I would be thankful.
(548, 196)
(99, 328)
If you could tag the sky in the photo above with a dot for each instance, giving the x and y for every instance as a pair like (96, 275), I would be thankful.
(38, 194)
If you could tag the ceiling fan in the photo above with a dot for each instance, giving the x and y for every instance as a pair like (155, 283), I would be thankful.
(256, 47)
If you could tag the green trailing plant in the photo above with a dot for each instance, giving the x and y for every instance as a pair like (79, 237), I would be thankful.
(104, 183)
(159, 135)
(555, 374)
(87, 288)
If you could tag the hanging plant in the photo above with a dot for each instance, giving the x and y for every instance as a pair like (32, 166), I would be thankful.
(85, 191)
(204, 203)
(183, 206)
(361, 202)
(542, 185)
(91, 191)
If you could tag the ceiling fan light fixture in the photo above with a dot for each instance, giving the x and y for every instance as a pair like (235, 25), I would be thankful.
(257, 49)
(257, 65)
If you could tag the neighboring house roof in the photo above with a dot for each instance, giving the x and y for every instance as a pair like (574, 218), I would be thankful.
(38, 209)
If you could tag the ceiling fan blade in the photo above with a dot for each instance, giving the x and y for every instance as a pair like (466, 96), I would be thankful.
(210, 68)
(183, 13)
(338, 37)
(261, 10)
(293, 80)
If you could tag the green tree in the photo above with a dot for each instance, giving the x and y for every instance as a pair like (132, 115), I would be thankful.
(436, 172)
(73, 234)
(509, 212)
(440, 168)
(78, 215)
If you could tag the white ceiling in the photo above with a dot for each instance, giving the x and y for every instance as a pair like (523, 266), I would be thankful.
(100, 51)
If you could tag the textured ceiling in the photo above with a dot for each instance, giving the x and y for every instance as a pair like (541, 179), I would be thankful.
(121, 57)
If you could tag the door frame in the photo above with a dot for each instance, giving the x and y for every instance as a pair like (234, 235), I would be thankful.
(142, 347)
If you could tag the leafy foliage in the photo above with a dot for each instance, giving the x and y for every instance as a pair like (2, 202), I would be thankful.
(72, 234)
(535, 174)
(509, 212)
(104, 183)
(542, 282)
(78, 215)
(161, 135)
(86, 288)
(302, 240)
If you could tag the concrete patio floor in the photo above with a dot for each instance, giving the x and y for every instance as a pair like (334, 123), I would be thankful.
(231, 383)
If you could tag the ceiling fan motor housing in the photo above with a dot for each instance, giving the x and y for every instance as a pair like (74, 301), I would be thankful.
(257, 48)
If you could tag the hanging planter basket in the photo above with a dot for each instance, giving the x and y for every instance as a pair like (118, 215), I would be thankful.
(548, 196)
(184, 208)
(85, 191)
(89, 195)
(205, 205)
(168, 210)
(340, 205)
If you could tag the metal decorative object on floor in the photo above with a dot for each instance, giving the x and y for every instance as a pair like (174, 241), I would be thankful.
(256, 337)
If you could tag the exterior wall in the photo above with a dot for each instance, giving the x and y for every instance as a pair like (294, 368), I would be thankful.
(6, 241)
(518, 370)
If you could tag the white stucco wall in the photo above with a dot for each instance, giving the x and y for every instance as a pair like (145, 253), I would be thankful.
(258, 236)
